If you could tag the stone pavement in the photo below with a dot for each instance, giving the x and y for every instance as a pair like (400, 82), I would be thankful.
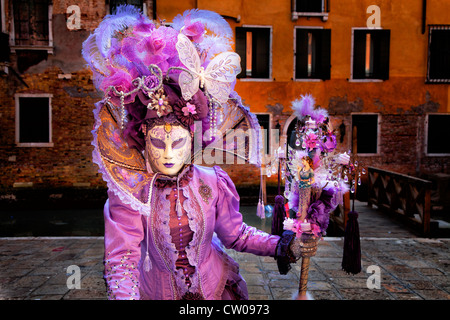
(397, 265)
(408, 269)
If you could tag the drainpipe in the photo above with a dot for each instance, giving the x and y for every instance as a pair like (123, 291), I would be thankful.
(424, 15)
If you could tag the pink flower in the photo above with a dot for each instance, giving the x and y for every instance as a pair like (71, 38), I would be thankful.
(329, 143)
(119, 79)
(194, 31)
(311, 140)
(189, 109)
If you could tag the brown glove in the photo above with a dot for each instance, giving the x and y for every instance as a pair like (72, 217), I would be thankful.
(305, 246)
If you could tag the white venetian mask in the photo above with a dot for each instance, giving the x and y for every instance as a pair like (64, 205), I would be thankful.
(168, 148)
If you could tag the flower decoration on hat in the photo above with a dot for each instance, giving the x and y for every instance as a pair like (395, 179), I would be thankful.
(160, 103)
(189, 109)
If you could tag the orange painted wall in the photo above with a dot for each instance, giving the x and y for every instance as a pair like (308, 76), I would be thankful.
(408, 52)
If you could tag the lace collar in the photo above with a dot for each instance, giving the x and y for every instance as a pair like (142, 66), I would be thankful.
(183, 178)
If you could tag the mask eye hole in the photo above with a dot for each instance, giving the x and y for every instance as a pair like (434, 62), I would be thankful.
(158, 143)
(179, 143)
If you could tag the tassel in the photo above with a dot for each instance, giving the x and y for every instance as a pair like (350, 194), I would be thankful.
(178, 202)
(351, 260)
(260, 212)
(279, 214)
(178, 208)
(147, 263)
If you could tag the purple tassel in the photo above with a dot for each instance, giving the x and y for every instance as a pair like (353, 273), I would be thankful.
(279, 214)
(351, 260)
(147, 263)
(260, 212)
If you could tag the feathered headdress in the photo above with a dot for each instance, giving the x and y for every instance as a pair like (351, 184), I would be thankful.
(186, 70)
(153, 74)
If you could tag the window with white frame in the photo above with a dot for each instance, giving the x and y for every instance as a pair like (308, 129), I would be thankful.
(371, 49)
(253, 44)
(367, 132)
(438, 54)
(436, 134)
(31, 25)
(33, 120)
(310, 8)
(312, 53)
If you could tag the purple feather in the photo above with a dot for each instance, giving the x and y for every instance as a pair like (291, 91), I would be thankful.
(211, 20)
(304, 106)
(319, 115)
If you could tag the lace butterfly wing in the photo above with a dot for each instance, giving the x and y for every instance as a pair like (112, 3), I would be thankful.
(220, 73)
(188, 81)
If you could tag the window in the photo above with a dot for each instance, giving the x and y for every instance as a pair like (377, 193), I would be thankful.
(371, 54)
(33, 120)
(312, 53)
(113, 4)
(436, 134)
(310, 8)
(309, 5)
(31, 24)
(264, 122)
(366, 133)
(438, 54)
(253, 44)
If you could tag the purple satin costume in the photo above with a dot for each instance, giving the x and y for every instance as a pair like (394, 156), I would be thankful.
(186, 258)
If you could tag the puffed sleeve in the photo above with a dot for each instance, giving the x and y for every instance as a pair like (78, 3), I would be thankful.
(231, 229)
(123, 235)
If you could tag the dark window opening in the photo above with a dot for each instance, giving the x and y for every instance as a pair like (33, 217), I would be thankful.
(31, 22)
(371, 54)
(264, 122)
(438, 54)
(34, 120)
(437, 134)
(312, 54)
(366, 133)
(309, 5)
(253, 46)
(4, 47)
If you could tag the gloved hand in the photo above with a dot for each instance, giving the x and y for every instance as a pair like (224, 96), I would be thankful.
(305, 246)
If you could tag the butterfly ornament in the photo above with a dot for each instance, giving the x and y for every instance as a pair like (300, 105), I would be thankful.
(216, 78)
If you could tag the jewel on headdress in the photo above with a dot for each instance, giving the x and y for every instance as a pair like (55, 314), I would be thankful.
(160, 103)
(167, 127)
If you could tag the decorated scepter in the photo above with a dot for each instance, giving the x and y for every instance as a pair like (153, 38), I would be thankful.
(313, 182)
(306, 179)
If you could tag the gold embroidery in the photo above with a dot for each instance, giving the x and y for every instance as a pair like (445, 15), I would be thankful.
(205, 191)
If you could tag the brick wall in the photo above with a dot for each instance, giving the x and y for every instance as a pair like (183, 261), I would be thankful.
(68, 162)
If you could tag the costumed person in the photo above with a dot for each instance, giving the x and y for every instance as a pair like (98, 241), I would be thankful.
(168, 98)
